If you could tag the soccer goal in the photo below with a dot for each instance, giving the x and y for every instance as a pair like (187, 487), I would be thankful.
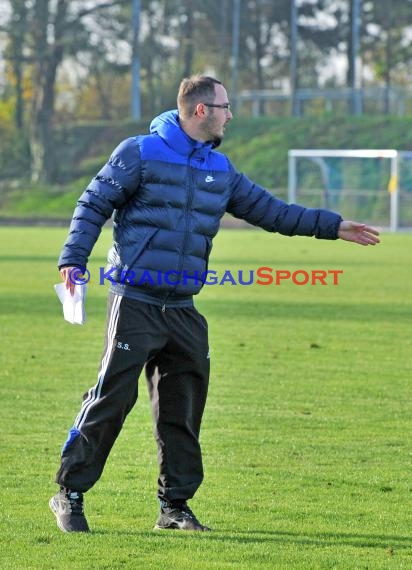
(360, 184)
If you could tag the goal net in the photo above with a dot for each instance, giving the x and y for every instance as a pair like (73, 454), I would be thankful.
(374, 186)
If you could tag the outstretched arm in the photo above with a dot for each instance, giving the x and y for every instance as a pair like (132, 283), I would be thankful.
(358, 233)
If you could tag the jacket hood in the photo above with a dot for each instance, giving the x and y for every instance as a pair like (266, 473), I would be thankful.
(167, 126)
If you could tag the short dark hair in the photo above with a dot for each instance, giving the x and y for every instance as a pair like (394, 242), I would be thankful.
(193, 90)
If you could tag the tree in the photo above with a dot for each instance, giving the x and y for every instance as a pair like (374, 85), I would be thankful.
(18, 29)
(47, 56)
(386, 45)
(322, 30)
(47, 31)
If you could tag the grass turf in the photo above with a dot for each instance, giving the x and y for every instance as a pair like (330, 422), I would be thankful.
(306, 435)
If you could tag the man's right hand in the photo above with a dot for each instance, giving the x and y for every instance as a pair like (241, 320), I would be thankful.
(67, 276)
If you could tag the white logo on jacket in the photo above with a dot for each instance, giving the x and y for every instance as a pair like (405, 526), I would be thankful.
(209, 179)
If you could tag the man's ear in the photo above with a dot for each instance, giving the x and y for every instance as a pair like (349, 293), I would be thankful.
(200, 110)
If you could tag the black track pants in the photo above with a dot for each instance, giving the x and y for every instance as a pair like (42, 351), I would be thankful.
(173, 346)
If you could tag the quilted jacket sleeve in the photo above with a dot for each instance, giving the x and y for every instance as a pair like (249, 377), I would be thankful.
(259, 207)
(109, 189)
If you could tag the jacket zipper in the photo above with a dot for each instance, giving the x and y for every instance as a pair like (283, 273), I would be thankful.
(188, 207)
(190, 192)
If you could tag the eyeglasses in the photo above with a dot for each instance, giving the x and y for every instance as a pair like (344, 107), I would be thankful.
(225, 106)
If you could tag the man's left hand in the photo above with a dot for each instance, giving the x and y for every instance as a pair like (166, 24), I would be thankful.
(358, 233)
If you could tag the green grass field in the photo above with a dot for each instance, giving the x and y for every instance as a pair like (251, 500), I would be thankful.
(306, 435)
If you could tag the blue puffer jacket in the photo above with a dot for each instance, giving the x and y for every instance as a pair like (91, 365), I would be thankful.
(167, 194)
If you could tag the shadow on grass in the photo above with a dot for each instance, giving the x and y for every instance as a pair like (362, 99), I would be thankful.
(325, 539)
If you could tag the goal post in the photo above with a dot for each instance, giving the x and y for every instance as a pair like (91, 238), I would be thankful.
(359, 183)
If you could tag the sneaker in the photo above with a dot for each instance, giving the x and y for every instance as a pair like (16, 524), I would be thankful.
(178, 516)
(67, 505)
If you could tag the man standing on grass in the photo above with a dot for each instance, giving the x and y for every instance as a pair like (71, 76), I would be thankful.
(168, 191)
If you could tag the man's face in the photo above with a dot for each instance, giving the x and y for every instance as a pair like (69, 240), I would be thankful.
(216, 117)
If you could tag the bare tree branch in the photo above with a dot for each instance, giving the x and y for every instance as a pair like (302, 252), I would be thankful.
(93, 9)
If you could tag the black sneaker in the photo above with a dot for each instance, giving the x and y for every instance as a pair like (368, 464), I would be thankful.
(178, 516)
(67, 505)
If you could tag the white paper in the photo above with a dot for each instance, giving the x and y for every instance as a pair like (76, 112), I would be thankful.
(73, 305)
